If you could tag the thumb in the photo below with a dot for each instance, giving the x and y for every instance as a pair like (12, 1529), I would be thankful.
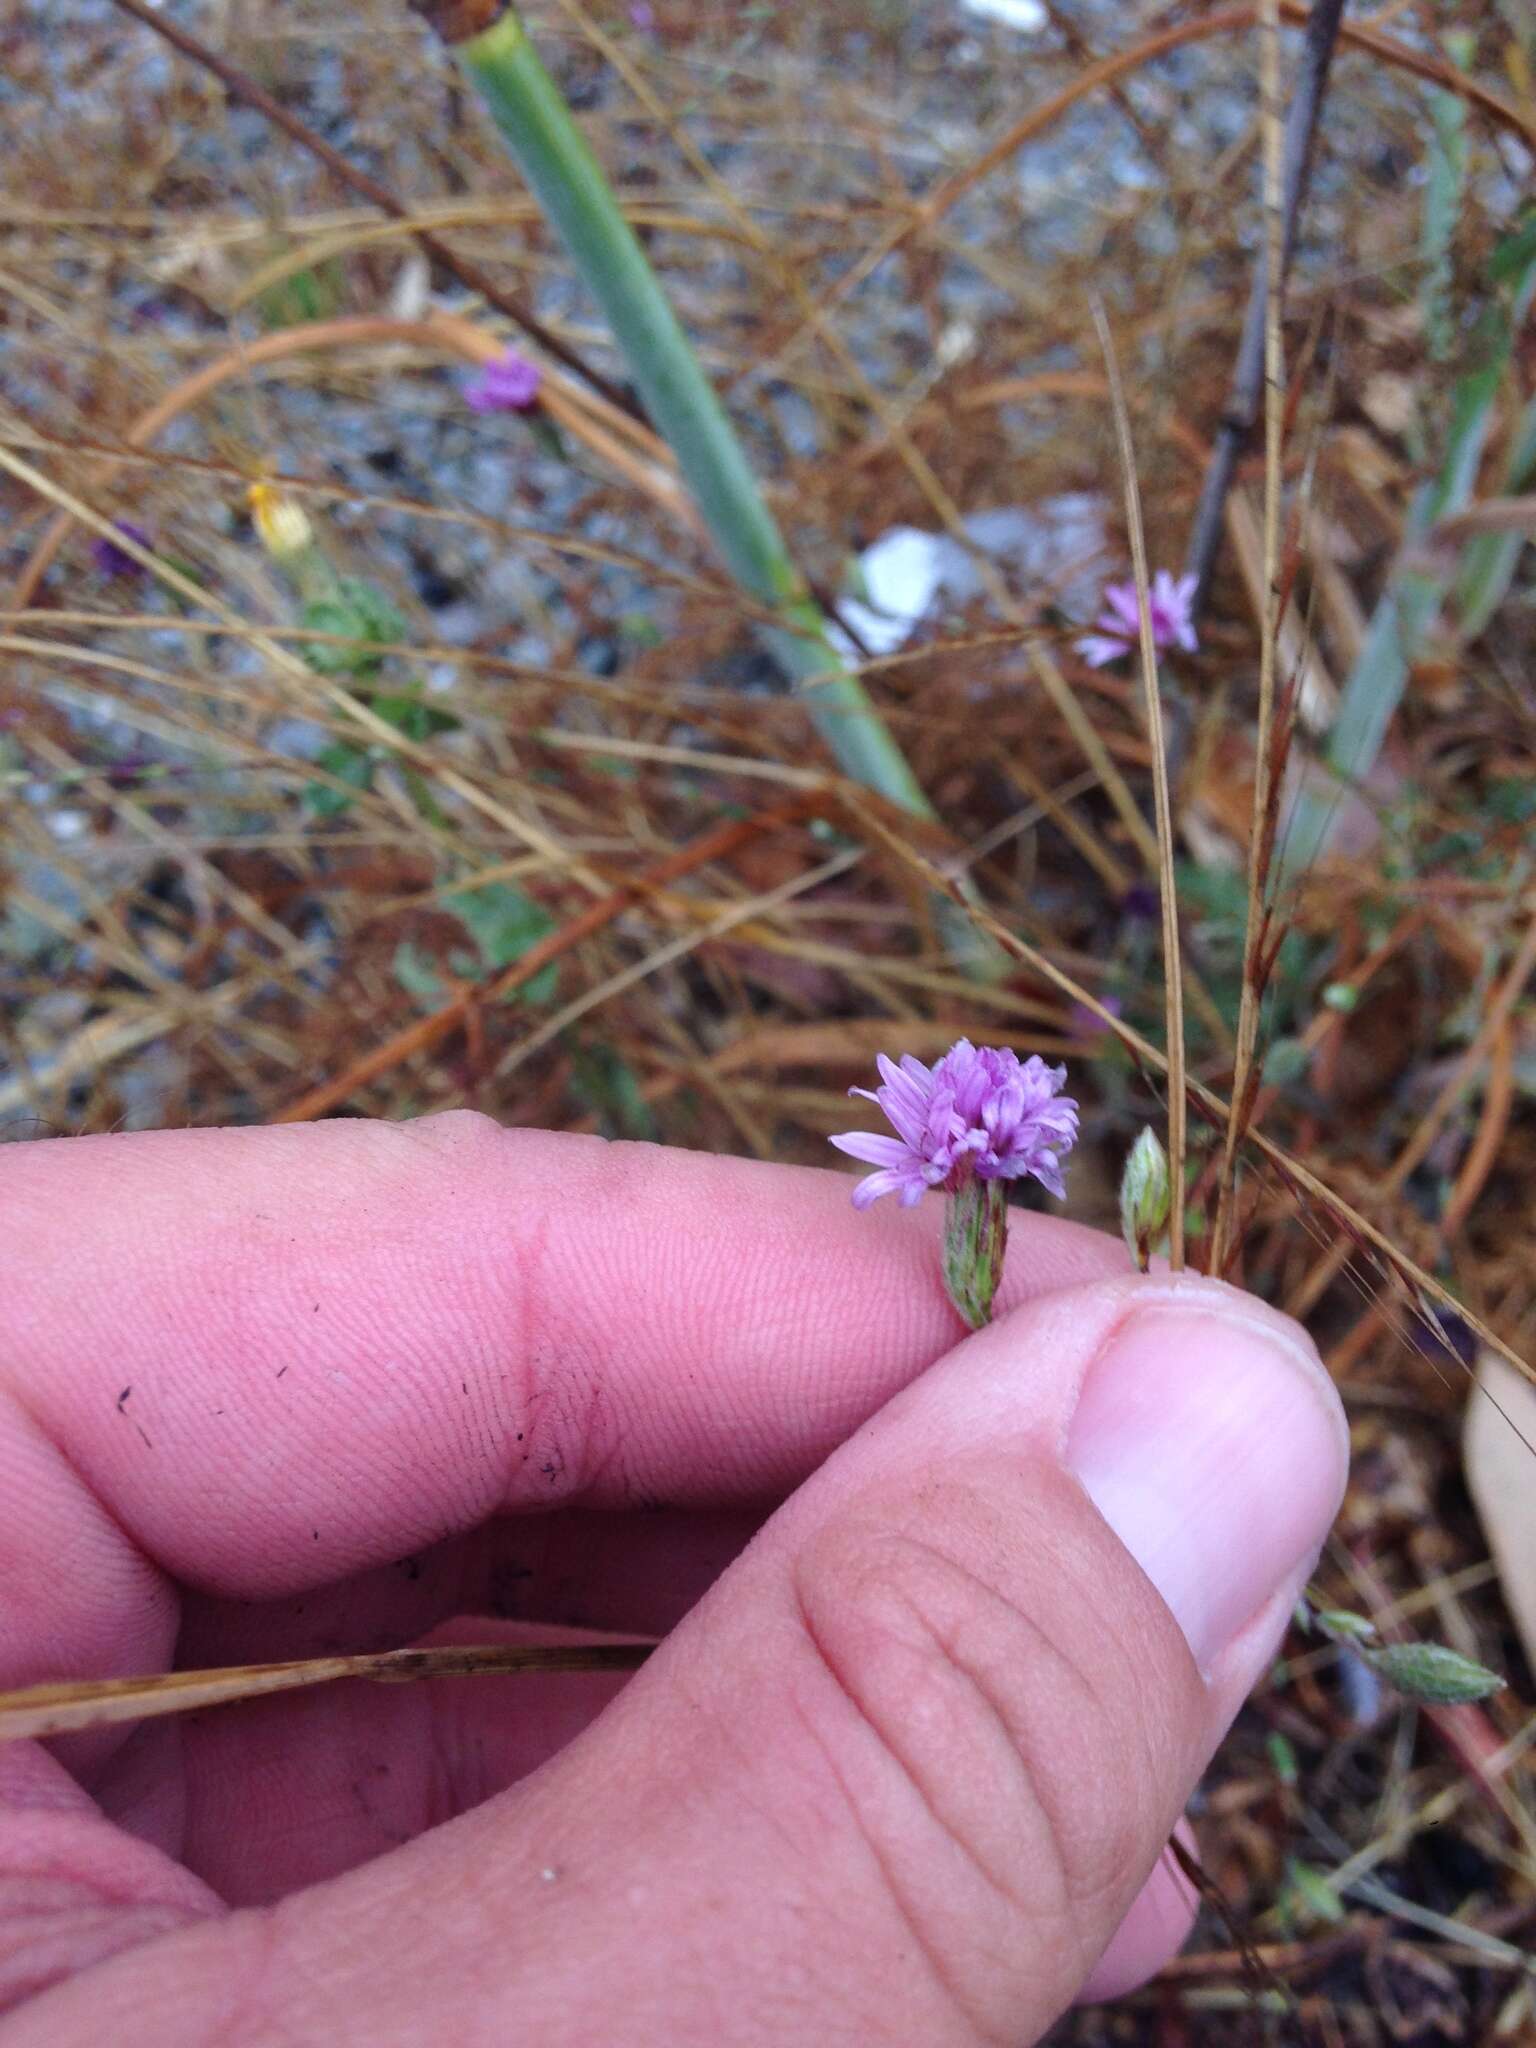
(903, 1772)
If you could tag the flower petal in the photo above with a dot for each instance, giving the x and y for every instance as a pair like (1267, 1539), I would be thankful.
(1097, 649)
(1120, 603)
(876, 1150)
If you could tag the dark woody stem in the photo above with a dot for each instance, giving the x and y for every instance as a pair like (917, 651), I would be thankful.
(975, 1238)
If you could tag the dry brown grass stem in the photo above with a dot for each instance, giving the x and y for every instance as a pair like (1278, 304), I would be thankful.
(1261, 835)
(421, 1036)
(348, 708)
(1173, 971)
(35, 1712)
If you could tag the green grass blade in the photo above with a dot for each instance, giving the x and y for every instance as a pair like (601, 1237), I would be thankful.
(574, 193)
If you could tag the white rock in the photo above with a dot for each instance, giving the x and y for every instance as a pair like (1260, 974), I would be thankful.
(1021, 14)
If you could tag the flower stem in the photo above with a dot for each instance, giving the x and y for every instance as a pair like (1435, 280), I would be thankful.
(495, 51)
(975, 1239)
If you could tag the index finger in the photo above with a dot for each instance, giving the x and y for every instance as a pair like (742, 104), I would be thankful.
(279, 1355)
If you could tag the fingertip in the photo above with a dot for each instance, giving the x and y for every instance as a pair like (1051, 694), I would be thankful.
(1152, 1932)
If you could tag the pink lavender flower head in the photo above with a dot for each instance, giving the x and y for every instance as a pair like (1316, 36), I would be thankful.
(510, 384)
(980, 1112)
(1117, 629)
(112, 560)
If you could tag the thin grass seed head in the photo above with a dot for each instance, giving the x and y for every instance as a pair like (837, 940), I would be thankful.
(1117, 630)
(509, 384)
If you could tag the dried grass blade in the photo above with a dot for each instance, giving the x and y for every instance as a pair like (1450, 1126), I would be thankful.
(40, 1710)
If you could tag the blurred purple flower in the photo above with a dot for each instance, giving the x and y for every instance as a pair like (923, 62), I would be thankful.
(112, 560)
(980, 1112)
(642, 16)
(510, 384)
(1441, 1334)
(1086, 1023)
(1117, 629)
(126, 770)
(1142, 903)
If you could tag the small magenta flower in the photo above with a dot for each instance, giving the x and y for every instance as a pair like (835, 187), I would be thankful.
(977, 1119)
(1117, 630)
(510, 384)
(112, 560)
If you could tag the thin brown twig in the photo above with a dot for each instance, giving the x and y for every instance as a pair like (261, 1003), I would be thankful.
(1522, 967)
(470, 275)
(1498, 1104)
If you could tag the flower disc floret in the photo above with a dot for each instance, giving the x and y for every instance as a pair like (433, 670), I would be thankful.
(978, 1113)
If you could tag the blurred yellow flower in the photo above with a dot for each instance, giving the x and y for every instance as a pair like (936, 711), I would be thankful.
(282, 526)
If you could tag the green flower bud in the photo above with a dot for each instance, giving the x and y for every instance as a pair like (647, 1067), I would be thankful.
(1432, 1672)
(1144, 1197)
(1340, 1626)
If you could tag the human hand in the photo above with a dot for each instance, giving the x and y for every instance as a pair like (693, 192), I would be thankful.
(904, 1763)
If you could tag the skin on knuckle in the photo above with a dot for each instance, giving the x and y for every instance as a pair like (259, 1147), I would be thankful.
(453, 1127)
(559, 1441)
(995, 1722)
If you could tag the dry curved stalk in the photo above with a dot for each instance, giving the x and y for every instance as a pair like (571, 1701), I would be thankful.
(369, 233)
(1498, 1102)
(627, 446)
(997, 391)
